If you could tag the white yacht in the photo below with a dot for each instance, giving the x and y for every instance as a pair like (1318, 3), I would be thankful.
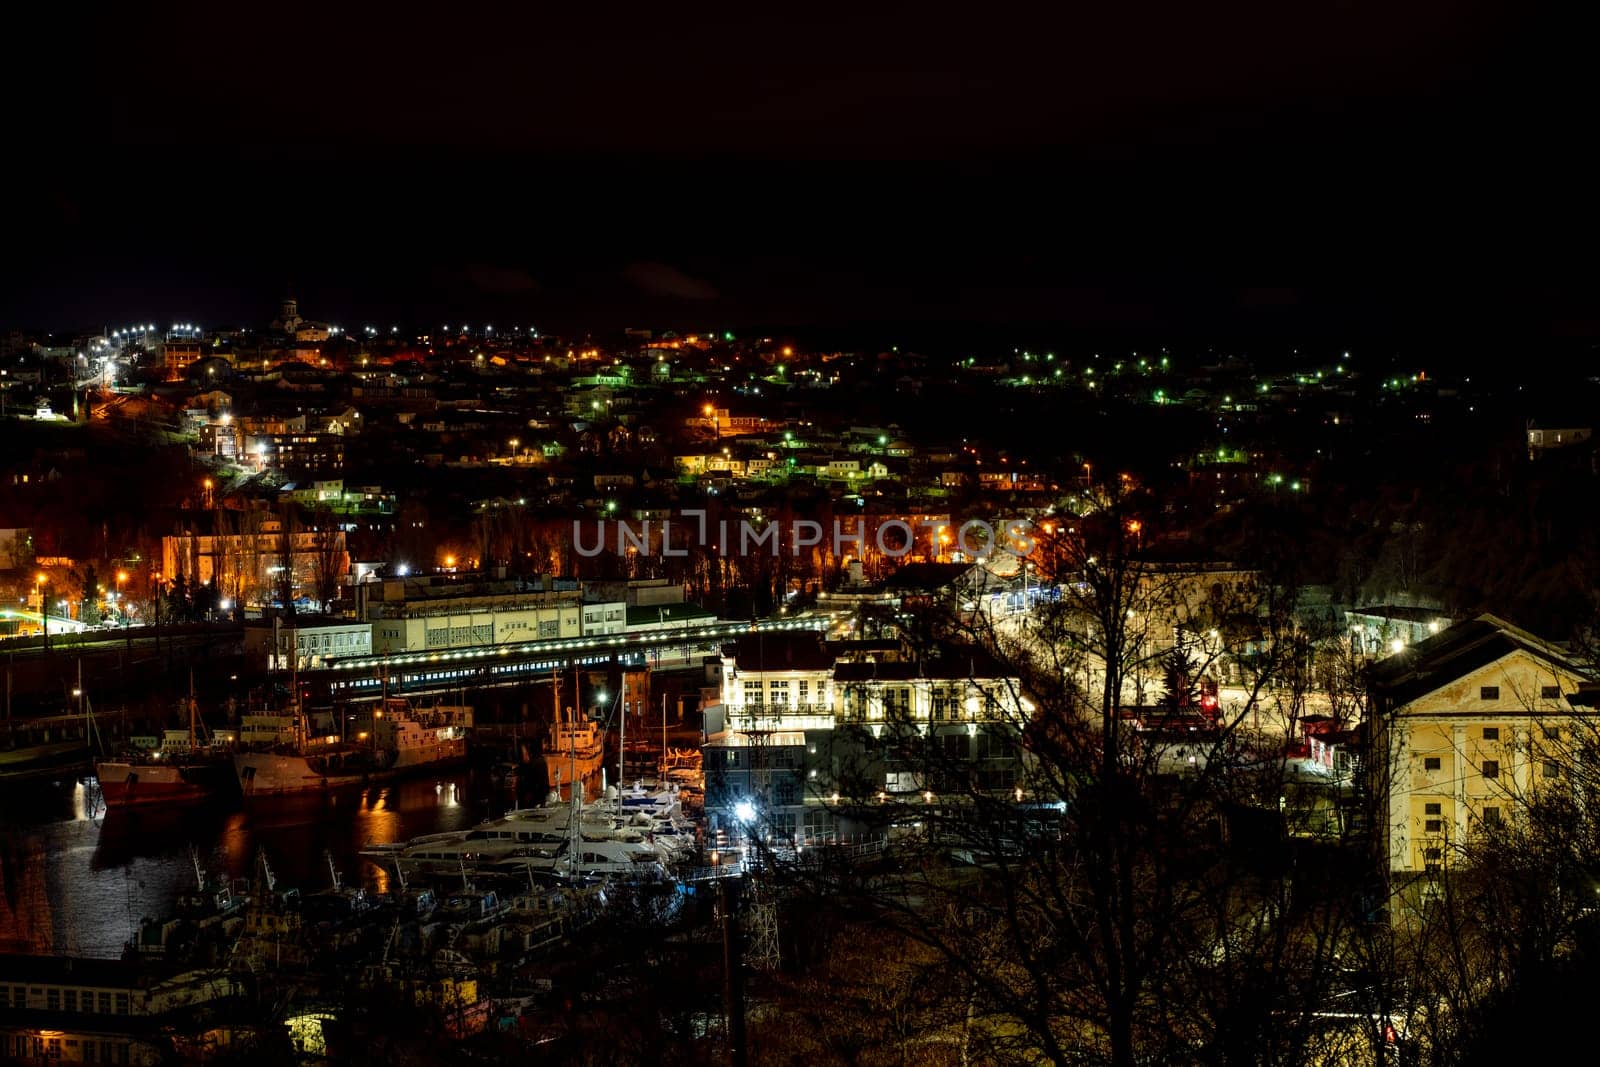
(536, 837)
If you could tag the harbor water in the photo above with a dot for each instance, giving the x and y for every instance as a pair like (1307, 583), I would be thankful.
(76, 879)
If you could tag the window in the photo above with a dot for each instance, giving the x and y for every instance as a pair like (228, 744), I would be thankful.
(1552, 769)
(1491, 816)
(1430, 763)
(1431, 858)
(1491, 733)
(52, 999)
(1549, 692)
(1491, 768)
(1552, 733)
(1433, 826)
(1489, 692)
(122, 1003)
(105, 1004)
(72, 1000)
(1432, 809)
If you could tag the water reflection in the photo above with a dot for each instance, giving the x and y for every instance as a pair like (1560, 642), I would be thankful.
(75, 878)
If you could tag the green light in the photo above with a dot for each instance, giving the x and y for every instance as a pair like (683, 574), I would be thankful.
(1295, 486)
(727, 336)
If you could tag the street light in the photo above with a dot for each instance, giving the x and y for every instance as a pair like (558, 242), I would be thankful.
(39, 584)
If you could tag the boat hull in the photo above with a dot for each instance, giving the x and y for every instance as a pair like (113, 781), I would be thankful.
(563, 767)
(431, 756)
(44, 761)
(273, 774)
(126, 784)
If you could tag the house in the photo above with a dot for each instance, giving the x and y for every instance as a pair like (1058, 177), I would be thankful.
(1467, 725)
(1545, 438)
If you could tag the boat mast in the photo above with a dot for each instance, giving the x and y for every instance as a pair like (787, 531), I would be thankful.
(572, 818)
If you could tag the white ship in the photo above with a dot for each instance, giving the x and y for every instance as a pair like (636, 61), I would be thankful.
(403, 739)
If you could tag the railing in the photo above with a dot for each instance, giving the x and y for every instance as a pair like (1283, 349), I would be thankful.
(798, 857)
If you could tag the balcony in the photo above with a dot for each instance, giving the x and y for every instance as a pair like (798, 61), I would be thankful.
(781, 717)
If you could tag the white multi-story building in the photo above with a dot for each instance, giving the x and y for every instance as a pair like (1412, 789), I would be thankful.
(810, 735)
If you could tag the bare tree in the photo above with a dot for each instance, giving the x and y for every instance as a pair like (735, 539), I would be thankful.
(329, 563)
(288, 534)
(1123, 891)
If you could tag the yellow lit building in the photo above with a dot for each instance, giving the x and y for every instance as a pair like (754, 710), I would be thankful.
(1466, 726)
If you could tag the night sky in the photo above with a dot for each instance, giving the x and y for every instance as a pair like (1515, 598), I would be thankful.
(1240, 170)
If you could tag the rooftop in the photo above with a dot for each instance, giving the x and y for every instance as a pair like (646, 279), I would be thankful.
(782, 651)
(1458, 650)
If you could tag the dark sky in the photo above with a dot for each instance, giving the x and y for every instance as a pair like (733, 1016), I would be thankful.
(1260, 168)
